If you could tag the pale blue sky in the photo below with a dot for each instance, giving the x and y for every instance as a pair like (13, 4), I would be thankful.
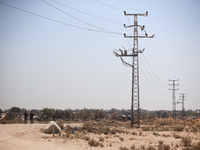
(48, 64)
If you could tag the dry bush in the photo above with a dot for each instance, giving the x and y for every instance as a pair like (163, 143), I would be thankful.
(177, 136)
(166, 135)
(104, 130)
(121, 138)
(140, 133)
(113, 131)
(123, 148)
(60, 123)
(101, 145)
(178, 128)
(166, 147)
(164, 122)
(156, 134)
(68, 130)
(133, 147)
(87, 138)
(160, 142)
(147, 128)
(134, 133)
(196, 146)
(101, 139)
(93, 142)
(162, 146)
(88, 126)
(186, 141)
(151, 148)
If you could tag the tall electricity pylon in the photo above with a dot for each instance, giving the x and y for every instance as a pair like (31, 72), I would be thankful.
(174, 97)
(182, 102)
(135, 103)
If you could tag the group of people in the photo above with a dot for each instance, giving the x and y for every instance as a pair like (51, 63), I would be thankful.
(26, 117)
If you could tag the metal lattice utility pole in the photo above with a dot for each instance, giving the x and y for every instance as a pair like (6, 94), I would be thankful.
(174, 97)
(182, 102)
(135, 103)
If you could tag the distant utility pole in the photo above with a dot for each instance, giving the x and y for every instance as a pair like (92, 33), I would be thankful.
(182, 96)
(135, 103)
(174, 97)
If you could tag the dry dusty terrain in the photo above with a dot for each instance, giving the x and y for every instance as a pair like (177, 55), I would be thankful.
(30, 136)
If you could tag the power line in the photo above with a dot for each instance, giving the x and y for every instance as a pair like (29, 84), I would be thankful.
(74, 17)
(151, 68)
(151, 84)
(86, 13)
(109, 5)
(150, 75)
(88, 29)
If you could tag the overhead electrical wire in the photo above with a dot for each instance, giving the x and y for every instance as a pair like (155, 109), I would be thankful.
(150, 75)
(88, 29)
(87, 13)
(129, 65)
(151, 84)
(151, 68)
(77, 18)
(109, 5)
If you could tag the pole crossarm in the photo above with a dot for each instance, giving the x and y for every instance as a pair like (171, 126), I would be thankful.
(125, 36)
(145, 15)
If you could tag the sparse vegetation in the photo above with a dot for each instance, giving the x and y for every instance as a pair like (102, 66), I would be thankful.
(123, 148)
(186, 141)
(88, 126)
(151, 148)
(177, 136)
(133, 147)
(101, 139)
(121, 138)
(178, 128)
(93, 142)
(113, 131)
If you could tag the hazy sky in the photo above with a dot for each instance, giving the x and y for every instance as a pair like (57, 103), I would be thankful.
(44, 63)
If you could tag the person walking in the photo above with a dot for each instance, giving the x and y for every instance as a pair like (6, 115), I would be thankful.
(31, 117)
(25, 117)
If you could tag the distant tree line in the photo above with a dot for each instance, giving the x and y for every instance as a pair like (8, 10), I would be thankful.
(85, 114)
(72, 115)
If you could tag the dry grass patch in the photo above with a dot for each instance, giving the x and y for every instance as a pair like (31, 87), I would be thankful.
(121, 138)
(123, 148)
(94, 143)
(186, 141)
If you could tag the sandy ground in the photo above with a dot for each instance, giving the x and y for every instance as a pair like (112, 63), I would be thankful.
(30, 136)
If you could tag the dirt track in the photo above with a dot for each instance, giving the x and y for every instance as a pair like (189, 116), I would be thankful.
(30, 136)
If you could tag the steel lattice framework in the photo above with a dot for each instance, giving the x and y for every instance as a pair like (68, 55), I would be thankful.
(135, 102)
(174, 97)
